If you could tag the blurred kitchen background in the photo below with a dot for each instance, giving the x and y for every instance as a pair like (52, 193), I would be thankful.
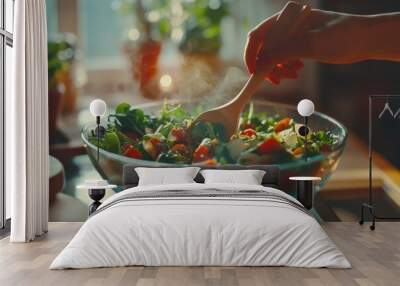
(140, 51)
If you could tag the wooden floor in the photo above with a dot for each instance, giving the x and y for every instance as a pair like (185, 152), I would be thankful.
(375, 257)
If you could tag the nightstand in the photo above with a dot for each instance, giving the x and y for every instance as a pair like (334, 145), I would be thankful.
(96, 190)
(305, 190)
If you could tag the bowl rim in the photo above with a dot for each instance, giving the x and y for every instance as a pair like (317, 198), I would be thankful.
(309, 160)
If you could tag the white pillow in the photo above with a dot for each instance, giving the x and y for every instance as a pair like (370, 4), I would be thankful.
(248, 177)
(164, 176)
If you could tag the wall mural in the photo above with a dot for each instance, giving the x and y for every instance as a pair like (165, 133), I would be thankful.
(158, 65)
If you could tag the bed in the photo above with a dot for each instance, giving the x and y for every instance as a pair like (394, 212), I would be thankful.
(197, 224)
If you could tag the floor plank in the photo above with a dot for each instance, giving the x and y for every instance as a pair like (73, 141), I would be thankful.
(375, 257)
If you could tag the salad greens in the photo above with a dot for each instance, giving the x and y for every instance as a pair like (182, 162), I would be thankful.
(261, 139)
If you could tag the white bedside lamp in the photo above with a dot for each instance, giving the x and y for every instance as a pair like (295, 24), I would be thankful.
(305, 108)
(98, 108)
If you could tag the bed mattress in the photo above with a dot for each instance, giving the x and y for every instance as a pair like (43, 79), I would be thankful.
(201, 225)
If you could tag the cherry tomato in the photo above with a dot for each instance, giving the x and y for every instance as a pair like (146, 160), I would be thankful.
(201, 153)
(282, 124)
(179, 133)
(297, 151)
(130, 151)
(209, 162)
(268, 146)
(249, 132)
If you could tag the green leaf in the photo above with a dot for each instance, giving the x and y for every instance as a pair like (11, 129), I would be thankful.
(165, 129)
(171, 157)
(201, 130)
(207, 130)
(219, 131)
(123, 107)
(222, 154)
(174, 113)
(111, 143)
(133, 119)
(164, 27)
(212, 32)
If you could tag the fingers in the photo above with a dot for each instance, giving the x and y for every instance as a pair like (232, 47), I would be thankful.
(288, 23)
(255, 40)
(252, 48)
(278, 74)
(283, 26)
(287, 70)
(292, 16)
(297, 46)
(271, 33)
(261, 38)
(289, 53)
(301, 21)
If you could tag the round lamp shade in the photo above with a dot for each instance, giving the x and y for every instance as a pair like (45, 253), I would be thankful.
(98, 107)
(305, 107)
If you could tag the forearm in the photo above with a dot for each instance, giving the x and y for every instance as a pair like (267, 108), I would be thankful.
(380, 36)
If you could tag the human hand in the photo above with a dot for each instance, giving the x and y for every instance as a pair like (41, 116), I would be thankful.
(324, 36)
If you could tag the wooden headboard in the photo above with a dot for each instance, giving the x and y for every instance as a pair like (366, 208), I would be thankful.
(271, 177)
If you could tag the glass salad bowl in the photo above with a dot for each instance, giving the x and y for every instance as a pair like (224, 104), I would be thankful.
(322, 165)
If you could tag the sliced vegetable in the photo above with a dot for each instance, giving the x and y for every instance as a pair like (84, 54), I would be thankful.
(282, 124)
(153, 144)
(298, 151)
(201, 153)
(288, 137)
(249, 132)
(209, 162)
(270, 145)
(131, 151)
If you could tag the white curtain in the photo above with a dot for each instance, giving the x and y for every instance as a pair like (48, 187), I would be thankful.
(27, 166)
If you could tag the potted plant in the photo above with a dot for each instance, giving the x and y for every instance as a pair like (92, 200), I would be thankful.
(201, 40)
(143, 46)
(61, 53)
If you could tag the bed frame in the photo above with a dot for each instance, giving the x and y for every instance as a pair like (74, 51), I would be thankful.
(271, 178)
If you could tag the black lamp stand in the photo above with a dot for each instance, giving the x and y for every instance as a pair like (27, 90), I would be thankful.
(370, 205)
(305, 136)
(98, 137)
(303, 131)
(96, 195)
(305, 193)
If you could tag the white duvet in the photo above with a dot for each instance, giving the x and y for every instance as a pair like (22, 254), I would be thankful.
(200, 231)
